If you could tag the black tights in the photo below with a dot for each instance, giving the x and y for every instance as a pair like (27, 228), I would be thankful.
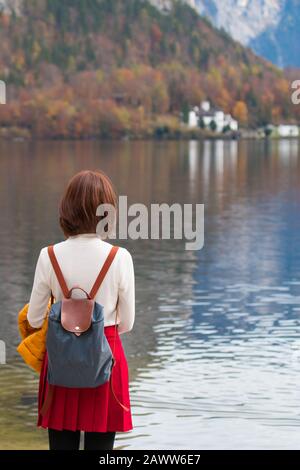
(70, 440)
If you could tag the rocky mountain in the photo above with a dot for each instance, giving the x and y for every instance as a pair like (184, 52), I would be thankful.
(270, 27)
(84, 68)
(280, 42)
(243, 19)
(166, 4)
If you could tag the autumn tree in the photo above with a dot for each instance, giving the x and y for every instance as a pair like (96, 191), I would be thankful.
(240, 112)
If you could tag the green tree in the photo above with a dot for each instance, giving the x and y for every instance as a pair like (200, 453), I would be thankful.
(213, 126)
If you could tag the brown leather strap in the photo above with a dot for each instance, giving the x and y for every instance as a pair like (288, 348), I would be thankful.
(114, 361)
(79, 288)
(58, 272)
(95, 288)
(103, 271)
(50, 393)
(98, 281)
(48, 400)
(126, 408)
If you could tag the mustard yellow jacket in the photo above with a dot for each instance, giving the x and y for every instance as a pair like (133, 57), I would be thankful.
(33, 345)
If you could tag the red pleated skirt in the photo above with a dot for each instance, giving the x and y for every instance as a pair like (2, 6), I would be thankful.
(90, 409)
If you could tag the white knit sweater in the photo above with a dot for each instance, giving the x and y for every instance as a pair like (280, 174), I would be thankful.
(80, 258)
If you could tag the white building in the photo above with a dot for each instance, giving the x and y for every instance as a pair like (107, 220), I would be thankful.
(285, 130)
(11, 5)
(210, 119)
(193, 117)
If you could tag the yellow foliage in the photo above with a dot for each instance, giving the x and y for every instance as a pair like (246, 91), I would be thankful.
(240, 112)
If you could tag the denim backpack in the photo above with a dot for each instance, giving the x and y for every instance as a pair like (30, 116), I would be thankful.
(79, 355)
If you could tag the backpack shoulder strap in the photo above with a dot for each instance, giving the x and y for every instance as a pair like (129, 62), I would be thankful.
(57, 271)
(103, 272)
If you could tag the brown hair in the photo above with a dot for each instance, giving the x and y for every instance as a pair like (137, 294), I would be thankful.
(84, 193)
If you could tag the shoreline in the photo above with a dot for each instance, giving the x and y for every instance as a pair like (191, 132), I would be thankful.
(24, 135)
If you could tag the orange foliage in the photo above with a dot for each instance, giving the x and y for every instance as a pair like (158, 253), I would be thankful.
(240, 112)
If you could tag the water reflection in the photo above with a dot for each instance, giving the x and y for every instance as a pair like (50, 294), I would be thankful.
(213, 356)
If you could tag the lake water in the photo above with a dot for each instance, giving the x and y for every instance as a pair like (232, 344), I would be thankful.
(214, 354)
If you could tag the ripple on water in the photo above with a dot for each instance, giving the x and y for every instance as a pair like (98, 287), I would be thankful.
(214, 355)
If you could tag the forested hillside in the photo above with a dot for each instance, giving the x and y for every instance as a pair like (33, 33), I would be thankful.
(82, 68)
